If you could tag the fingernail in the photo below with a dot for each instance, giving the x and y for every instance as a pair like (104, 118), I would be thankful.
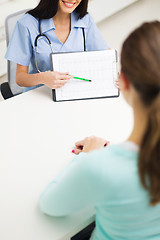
(73, 151)
(108, 143)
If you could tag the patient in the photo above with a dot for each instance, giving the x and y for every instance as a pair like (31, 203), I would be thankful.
(122, 182)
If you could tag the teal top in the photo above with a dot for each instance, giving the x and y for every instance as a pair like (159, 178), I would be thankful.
(108, 180)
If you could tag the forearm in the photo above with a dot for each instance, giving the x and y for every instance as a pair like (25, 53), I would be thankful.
(24, 79)
(69, 192)
(51, 79)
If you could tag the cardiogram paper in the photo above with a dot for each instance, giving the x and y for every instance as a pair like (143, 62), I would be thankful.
(98, 66)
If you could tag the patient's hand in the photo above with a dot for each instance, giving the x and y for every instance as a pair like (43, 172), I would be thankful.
(90, 143)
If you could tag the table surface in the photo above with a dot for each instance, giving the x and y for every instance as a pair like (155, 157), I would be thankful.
(37, 136)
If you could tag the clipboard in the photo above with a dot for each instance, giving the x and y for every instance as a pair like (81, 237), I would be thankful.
(98, 66)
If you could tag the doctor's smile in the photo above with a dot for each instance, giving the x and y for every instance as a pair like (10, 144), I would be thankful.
(69, 4)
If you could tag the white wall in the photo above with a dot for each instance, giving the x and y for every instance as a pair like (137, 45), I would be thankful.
(99, 12)
(116, 28)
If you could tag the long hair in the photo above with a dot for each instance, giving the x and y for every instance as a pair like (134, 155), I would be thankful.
(48, 8)
(140, 62)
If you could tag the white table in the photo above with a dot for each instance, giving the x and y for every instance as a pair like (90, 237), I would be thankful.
(36, 139)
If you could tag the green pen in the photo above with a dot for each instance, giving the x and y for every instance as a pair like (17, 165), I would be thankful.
(84, 79)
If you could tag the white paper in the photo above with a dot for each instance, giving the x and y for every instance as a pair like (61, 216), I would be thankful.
(98, 66)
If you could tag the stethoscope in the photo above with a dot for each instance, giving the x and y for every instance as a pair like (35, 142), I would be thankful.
(49, 42)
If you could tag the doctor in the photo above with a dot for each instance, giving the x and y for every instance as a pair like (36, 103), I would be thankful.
(52, 26)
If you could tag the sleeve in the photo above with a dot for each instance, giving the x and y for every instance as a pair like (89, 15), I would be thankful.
(94, 39)
(20, 48)
(74, 189)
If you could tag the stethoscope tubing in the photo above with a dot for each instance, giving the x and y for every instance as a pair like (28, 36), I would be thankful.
(49, 42)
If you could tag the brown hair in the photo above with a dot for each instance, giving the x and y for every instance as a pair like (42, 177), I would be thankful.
(140, 63)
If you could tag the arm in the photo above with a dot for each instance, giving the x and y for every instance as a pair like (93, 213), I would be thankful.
(70, 191)
(51, 79)
(80, 184)
(21, 43)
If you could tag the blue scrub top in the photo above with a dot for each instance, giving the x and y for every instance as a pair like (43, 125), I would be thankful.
(21, 47)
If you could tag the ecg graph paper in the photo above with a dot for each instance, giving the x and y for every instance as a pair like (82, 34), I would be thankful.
(98, 66)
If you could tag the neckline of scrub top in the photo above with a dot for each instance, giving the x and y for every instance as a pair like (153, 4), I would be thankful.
(48, 24)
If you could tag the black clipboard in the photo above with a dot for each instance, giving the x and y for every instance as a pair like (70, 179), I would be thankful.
(59, 60)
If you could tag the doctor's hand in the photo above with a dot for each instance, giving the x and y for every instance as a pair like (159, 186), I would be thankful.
(117, 82)
(90, 143)
(54, 80)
